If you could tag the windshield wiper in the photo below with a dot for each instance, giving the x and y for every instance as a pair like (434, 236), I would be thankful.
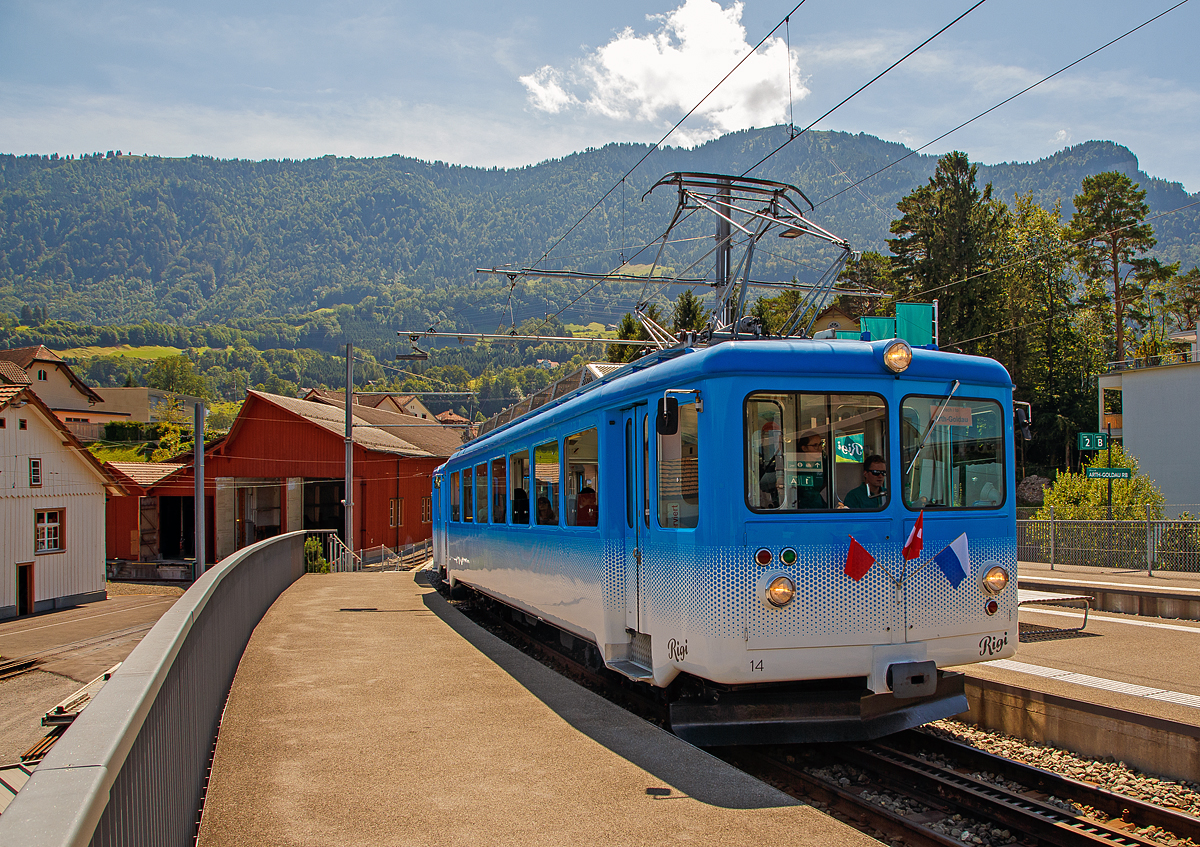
(932, 424)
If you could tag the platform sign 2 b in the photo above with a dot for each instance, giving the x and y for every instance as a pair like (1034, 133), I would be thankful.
(1107, 473)
(1093, 441)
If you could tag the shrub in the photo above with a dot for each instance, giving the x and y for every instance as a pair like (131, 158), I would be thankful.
(314, 556)
(1074, 497)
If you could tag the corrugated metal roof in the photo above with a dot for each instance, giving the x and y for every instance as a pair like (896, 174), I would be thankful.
(365, 432)
(144, 473)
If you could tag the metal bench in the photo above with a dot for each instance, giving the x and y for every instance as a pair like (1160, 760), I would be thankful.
(1027, 597)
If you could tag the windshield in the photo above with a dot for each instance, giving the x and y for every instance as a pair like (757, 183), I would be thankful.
(961, 465)
(816, 452)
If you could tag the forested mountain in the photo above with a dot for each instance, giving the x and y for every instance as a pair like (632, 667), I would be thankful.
(122, 239)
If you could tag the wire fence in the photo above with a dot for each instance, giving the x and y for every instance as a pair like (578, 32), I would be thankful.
(1153, 545)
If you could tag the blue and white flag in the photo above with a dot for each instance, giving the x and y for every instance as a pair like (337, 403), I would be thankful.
(955, 561)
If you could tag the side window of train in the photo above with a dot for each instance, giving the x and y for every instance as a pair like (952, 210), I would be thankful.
(519, 466)
(481, 493)
(952, 453)
(582, 454)
(455, 495)
(547, 474)
(678, 473)
(809, 452)
(499, 490)
(468, 510)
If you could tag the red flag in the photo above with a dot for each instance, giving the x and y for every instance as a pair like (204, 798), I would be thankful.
(858, 561)
(912, 547)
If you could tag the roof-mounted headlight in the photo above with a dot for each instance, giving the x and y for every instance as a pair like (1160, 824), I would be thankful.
(897, 356)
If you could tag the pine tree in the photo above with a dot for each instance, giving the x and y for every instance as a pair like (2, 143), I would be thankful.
(1108, 220)
(947, 237)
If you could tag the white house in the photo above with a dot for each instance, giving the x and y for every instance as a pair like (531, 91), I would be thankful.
(1159, 403)
(52, 495)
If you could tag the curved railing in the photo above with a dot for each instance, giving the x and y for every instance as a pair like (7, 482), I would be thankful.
(130, 770)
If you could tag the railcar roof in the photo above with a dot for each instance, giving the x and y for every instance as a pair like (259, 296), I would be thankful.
(782, 356)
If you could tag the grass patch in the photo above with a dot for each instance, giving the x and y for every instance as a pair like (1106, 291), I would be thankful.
(149, 352)
(593, 330)
(117, 452)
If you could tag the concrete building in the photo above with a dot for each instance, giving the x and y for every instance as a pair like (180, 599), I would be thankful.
(1157, 423)
(144, 404)
(52, 499)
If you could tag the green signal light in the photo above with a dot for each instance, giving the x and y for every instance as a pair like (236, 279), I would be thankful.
(788, 556)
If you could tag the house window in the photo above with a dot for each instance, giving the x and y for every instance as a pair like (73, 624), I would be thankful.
(22, 424)
(3, 423)
(426, 510)
(35, 473)
(47, 534)
(396, 512)
(41, 374)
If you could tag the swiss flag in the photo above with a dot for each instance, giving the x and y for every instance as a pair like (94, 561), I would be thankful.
(912, 547)
(858, 561)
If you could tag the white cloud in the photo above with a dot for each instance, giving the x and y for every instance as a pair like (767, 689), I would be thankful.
(546, 91)
(1063, 136)
(657, 78)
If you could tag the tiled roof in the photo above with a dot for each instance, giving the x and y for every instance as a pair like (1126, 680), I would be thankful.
(8, 392)
(144, 473)
(23, 357)
(385, 432)
(13, 374)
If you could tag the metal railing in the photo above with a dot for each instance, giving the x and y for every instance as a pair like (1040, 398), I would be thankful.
(1163, 545)
(341, 558)
(1170, 357)
(384, 558)
(130, 770)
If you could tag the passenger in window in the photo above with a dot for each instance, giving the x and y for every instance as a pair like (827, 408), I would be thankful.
(546, 515)
(587, 512)
(871, 494)
(520, 509)
(810, 493)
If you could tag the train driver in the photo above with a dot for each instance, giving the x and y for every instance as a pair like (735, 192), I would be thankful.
(871, 494)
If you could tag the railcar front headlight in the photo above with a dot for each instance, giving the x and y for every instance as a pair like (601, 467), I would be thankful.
(897, 356)
(781, 591)
(995, 580)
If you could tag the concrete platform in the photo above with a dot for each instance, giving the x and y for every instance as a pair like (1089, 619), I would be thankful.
(1166, 594)
(366, 710)
(1126, 686)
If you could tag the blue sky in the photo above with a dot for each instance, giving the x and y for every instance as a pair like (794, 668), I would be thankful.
(518, 82)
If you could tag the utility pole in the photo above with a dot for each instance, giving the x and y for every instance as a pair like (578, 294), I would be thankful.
(349, 501)
(1110, 478)
(198, 473)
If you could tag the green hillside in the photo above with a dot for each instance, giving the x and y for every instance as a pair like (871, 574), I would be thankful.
(313, 253)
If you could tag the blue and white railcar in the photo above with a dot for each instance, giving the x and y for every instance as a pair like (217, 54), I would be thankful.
(716, 561)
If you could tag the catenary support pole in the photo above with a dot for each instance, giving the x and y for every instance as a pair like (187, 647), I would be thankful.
(349, 501)
(200, 528)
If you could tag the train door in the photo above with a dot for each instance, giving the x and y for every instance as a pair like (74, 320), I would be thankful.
(637, 508)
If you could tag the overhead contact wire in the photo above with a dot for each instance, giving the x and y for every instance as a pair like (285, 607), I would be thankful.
(794, 135)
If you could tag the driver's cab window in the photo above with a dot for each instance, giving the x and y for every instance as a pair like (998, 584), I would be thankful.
(953, 452)
(816, 452)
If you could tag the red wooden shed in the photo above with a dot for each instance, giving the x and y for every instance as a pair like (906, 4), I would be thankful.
(282, 468)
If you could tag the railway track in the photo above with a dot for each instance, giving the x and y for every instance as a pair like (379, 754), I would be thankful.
(912, 788)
